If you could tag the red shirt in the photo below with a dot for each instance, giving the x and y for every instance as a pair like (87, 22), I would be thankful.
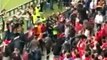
(81, 47)
(78, 26)
(105, 29)
(99, 35)
(104, 45)
(87, 58)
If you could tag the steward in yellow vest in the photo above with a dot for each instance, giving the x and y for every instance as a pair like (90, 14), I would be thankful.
(37, 11)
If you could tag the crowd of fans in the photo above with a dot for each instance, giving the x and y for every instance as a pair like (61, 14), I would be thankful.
(80, 33)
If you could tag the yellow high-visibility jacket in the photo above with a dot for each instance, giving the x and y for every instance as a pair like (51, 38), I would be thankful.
(37, 11)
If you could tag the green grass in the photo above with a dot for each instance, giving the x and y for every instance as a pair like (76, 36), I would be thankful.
(9, 4)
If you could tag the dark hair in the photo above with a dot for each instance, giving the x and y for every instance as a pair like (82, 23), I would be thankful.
(87, 54)
(68, 55)
(77, 55)
(92, 56)
(16, 25)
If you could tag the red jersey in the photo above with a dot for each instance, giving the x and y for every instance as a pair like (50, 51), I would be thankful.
(81, 47)
(78, 27)
(99, 35)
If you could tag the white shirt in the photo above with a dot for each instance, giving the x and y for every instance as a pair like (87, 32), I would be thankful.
(93, 4)
(99, 19)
